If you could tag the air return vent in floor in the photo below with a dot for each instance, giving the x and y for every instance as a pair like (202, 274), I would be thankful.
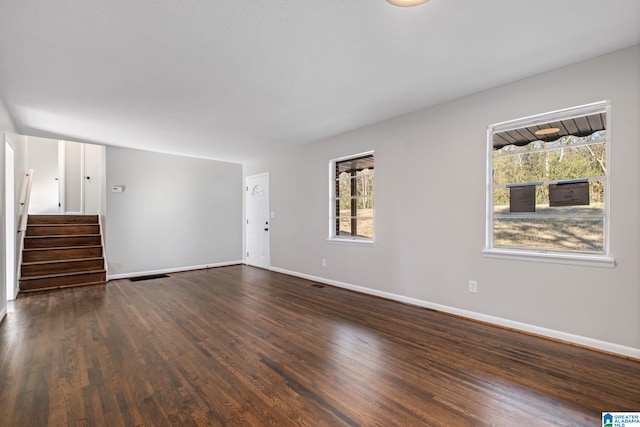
(150, 277)
(318, 286)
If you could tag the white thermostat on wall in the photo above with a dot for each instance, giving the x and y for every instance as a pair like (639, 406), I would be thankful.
(117, 189)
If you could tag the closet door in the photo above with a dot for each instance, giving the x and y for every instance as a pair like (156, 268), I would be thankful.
(42, 157)
(82, 178)
(92, 178)
(73, 176)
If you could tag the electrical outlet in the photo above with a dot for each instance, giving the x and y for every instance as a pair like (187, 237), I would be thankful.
(473, 286)
(324, 262)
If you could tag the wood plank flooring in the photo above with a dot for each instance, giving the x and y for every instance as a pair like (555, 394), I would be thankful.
(243, 346)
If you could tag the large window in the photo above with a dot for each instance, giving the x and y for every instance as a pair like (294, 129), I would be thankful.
(547, 180)
(351, 201)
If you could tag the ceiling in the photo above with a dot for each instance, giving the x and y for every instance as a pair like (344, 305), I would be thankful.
(238, 80)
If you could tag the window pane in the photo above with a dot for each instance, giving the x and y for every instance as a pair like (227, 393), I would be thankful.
(343, 185)
(365, 206)
(345, 207)
(364, 183)
(361, 205)
(527, 167)
(583, 234)
(586, 161)
(501, 200)
(583, 161)
(365, 227)
(344, 227)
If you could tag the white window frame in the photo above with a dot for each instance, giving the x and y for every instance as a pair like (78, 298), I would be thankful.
(348, 240)
(541, 255)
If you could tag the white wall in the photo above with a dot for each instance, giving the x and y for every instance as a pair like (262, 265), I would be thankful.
(6, 126)
(430, 211)
(175, 213)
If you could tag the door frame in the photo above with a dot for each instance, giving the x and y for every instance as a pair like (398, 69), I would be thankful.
(9, 225)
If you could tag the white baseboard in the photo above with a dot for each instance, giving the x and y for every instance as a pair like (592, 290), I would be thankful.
(171, 270)
(511, 324)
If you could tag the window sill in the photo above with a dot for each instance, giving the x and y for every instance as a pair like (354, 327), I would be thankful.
(555, 258)
(353, 242)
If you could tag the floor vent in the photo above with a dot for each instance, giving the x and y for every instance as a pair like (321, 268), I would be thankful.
(318, 286)
(150, 277)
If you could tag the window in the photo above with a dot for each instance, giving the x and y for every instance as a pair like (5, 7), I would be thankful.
(547, 187)
(351, 202)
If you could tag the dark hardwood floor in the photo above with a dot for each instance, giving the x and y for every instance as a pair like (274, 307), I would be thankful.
(244, 346)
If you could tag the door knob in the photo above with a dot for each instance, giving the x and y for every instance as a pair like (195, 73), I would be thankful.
(266, 229)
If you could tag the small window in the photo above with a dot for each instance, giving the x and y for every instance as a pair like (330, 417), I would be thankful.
(352, 199)
(548, 184)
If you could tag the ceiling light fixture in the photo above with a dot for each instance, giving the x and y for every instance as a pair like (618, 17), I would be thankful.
(406, 3)
(547, 131)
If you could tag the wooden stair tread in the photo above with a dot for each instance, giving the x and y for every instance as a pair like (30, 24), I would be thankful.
(53, 261)
(62, 235)
(33, 242)
(60, 224)
(49, 276)
(62, 229)
(50, 288)
(61, 219)
(62, 247)
(60, 253)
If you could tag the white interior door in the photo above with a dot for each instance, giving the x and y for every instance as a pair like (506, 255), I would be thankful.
(82, 178)
(42, 157)
(258, 221)
(92, 182)
(73, 177)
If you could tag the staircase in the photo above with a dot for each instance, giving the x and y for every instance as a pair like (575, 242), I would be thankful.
(61, 251)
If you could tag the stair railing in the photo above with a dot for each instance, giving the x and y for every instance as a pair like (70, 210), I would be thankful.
(23, 217)
(104, 248)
